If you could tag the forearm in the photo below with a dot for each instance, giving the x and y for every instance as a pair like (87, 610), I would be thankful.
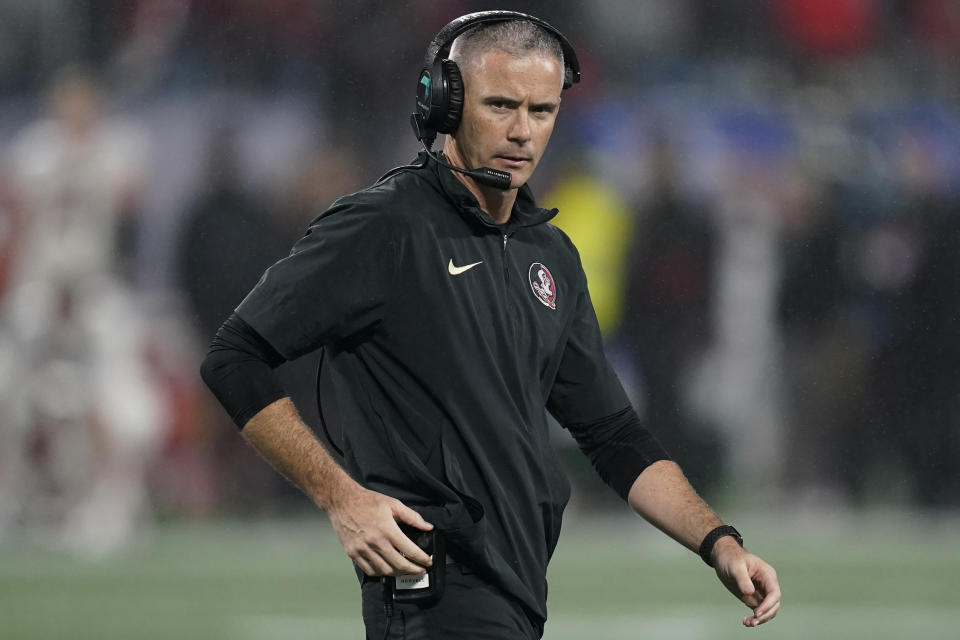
(664, 497)
(282, 439)
(365, 521)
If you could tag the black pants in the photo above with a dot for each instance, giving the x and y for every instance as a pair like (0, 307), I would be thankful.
(470, 609)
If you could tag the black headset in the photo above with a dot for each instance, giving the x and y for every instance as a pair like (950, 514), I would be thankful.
(440, 86)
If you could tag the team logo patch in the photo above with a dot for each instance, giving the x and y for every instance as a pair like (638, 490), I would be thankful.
(543, 285)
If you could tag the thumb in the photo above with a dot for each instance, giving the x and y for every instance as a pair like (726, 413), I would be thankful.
(744, 583)
(407, 515)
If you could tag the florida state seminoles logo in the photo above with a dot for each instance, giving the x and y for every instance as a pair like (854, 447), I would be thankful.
(543, 285)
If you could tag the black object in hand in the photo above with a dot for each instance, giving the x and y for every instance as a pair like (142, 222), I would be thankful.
(426, 588)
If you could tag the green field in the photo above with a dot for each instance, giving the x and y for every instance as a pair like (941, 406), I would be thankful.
(876, 575)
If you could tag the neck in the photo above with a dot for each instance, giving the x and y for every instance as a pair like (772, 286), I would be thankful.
(497, 203)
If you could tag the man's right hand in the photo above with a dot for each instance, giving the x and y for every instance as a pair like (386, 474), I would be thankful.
(366, 523)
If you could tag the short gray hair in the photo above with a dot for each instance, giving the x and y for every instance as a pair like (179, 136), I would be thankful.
(515, 37)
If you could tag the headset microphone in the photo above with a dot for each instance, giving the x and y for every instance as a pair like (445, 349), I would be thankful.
(483, 175)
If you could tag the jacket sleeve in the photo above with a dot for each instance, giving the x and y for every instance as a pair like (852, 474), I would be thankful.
(585, 387)
(238, 369)
(588, 400)
(335, 283)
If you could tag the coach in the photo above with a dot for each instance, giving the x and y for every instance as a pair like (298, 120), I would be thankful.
(453, 315)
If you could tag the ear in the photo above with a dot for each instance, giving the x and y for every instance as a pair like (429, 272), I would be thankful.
(452, 108)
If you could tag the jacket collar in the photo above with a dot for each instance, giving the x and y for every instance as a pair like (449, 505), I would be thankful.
(525, 212)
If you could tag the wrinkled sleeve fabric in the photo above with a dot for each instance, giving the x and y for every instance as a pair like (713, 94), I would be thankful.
(238, 369)
(588, 400)
(585, 388)
(619, 447)
(335, 283)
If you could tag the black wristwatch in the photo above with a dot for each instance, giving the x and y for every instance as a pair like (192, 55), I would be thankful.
(706, 547)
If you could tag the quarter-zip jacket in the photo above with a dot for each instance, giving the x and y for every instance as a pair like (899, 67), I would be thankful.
(448, 336)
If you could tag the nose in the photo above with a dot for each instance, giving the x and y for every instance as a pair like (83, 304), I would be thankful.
(519, 130)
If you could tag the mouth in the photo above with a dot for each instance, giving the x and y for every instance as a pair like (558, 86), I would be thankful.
(513, 161)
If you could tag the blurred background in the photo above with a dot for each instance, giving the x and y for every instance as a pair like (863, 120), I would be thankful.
(765, 195)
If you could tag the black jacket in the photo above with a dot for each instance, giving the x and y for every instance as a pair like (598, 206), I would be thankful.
(443, 372)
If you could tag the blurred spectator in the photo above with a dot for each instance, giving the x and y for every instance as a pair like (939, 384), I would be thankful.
(824, 355)
(150, 34)
(632, 34)
(668, 318)
(910, 419)
(230, 236)
(82, 416)
(828, 28)
(737, 384)
(77, 176)
(9, 229)
(930, 433)
(938, 24)
(228, 240)
(598, 221)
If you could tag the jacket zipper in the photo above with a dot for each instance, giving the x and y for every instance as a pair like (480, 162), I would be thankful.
(506, 271)
(512, 311)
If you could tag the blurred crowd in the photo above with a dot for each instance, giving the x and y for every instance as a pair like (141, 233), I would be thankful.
(764, 193)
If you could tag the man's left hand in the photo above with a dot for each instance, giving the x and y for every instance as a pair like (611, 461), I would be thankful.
(749, 578)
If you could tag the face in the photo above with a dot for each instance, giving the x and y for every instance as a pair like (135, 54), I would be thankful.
(510, 107)
(77, 107)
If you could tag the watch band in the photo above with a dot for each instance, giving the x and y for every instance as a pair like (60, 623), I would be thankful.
(706, 547)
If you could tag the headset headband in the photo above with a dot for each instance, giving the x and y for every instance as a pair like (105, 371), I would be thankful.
(441, 43)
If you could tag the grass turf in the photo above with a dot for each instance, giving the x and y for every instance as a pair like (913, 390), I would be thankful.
(876, 575)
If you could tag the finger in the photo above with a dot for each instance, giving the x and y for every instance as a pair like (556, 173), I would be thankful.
(758, 619)
(772, 600)
(411, 552)
(365, 566)
(768, 614)
(397, 560)
(743, 588)
(380, 566)
(752, 601)
(744, 583)
(407, 515)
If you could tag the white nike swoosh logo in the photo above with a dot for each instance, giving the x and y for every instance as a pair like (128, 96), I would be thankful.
(455, 270)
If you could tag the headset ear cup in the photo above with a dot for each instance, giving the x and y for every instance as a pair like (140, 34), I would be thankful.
(449, 115)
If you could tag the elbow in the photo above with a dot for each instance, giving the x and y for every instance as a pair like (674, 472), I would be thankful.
(208, 370)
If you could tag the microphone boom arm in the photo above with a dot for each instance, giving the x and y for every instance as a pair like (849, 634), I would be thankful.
(484, 175)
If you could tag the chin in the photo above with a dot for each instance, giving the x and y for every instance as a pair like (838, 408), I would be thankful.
(519, 178)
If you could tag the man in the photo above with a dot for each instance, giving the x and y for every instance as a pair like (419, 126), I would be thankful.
(71, 328)
(452, 314)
